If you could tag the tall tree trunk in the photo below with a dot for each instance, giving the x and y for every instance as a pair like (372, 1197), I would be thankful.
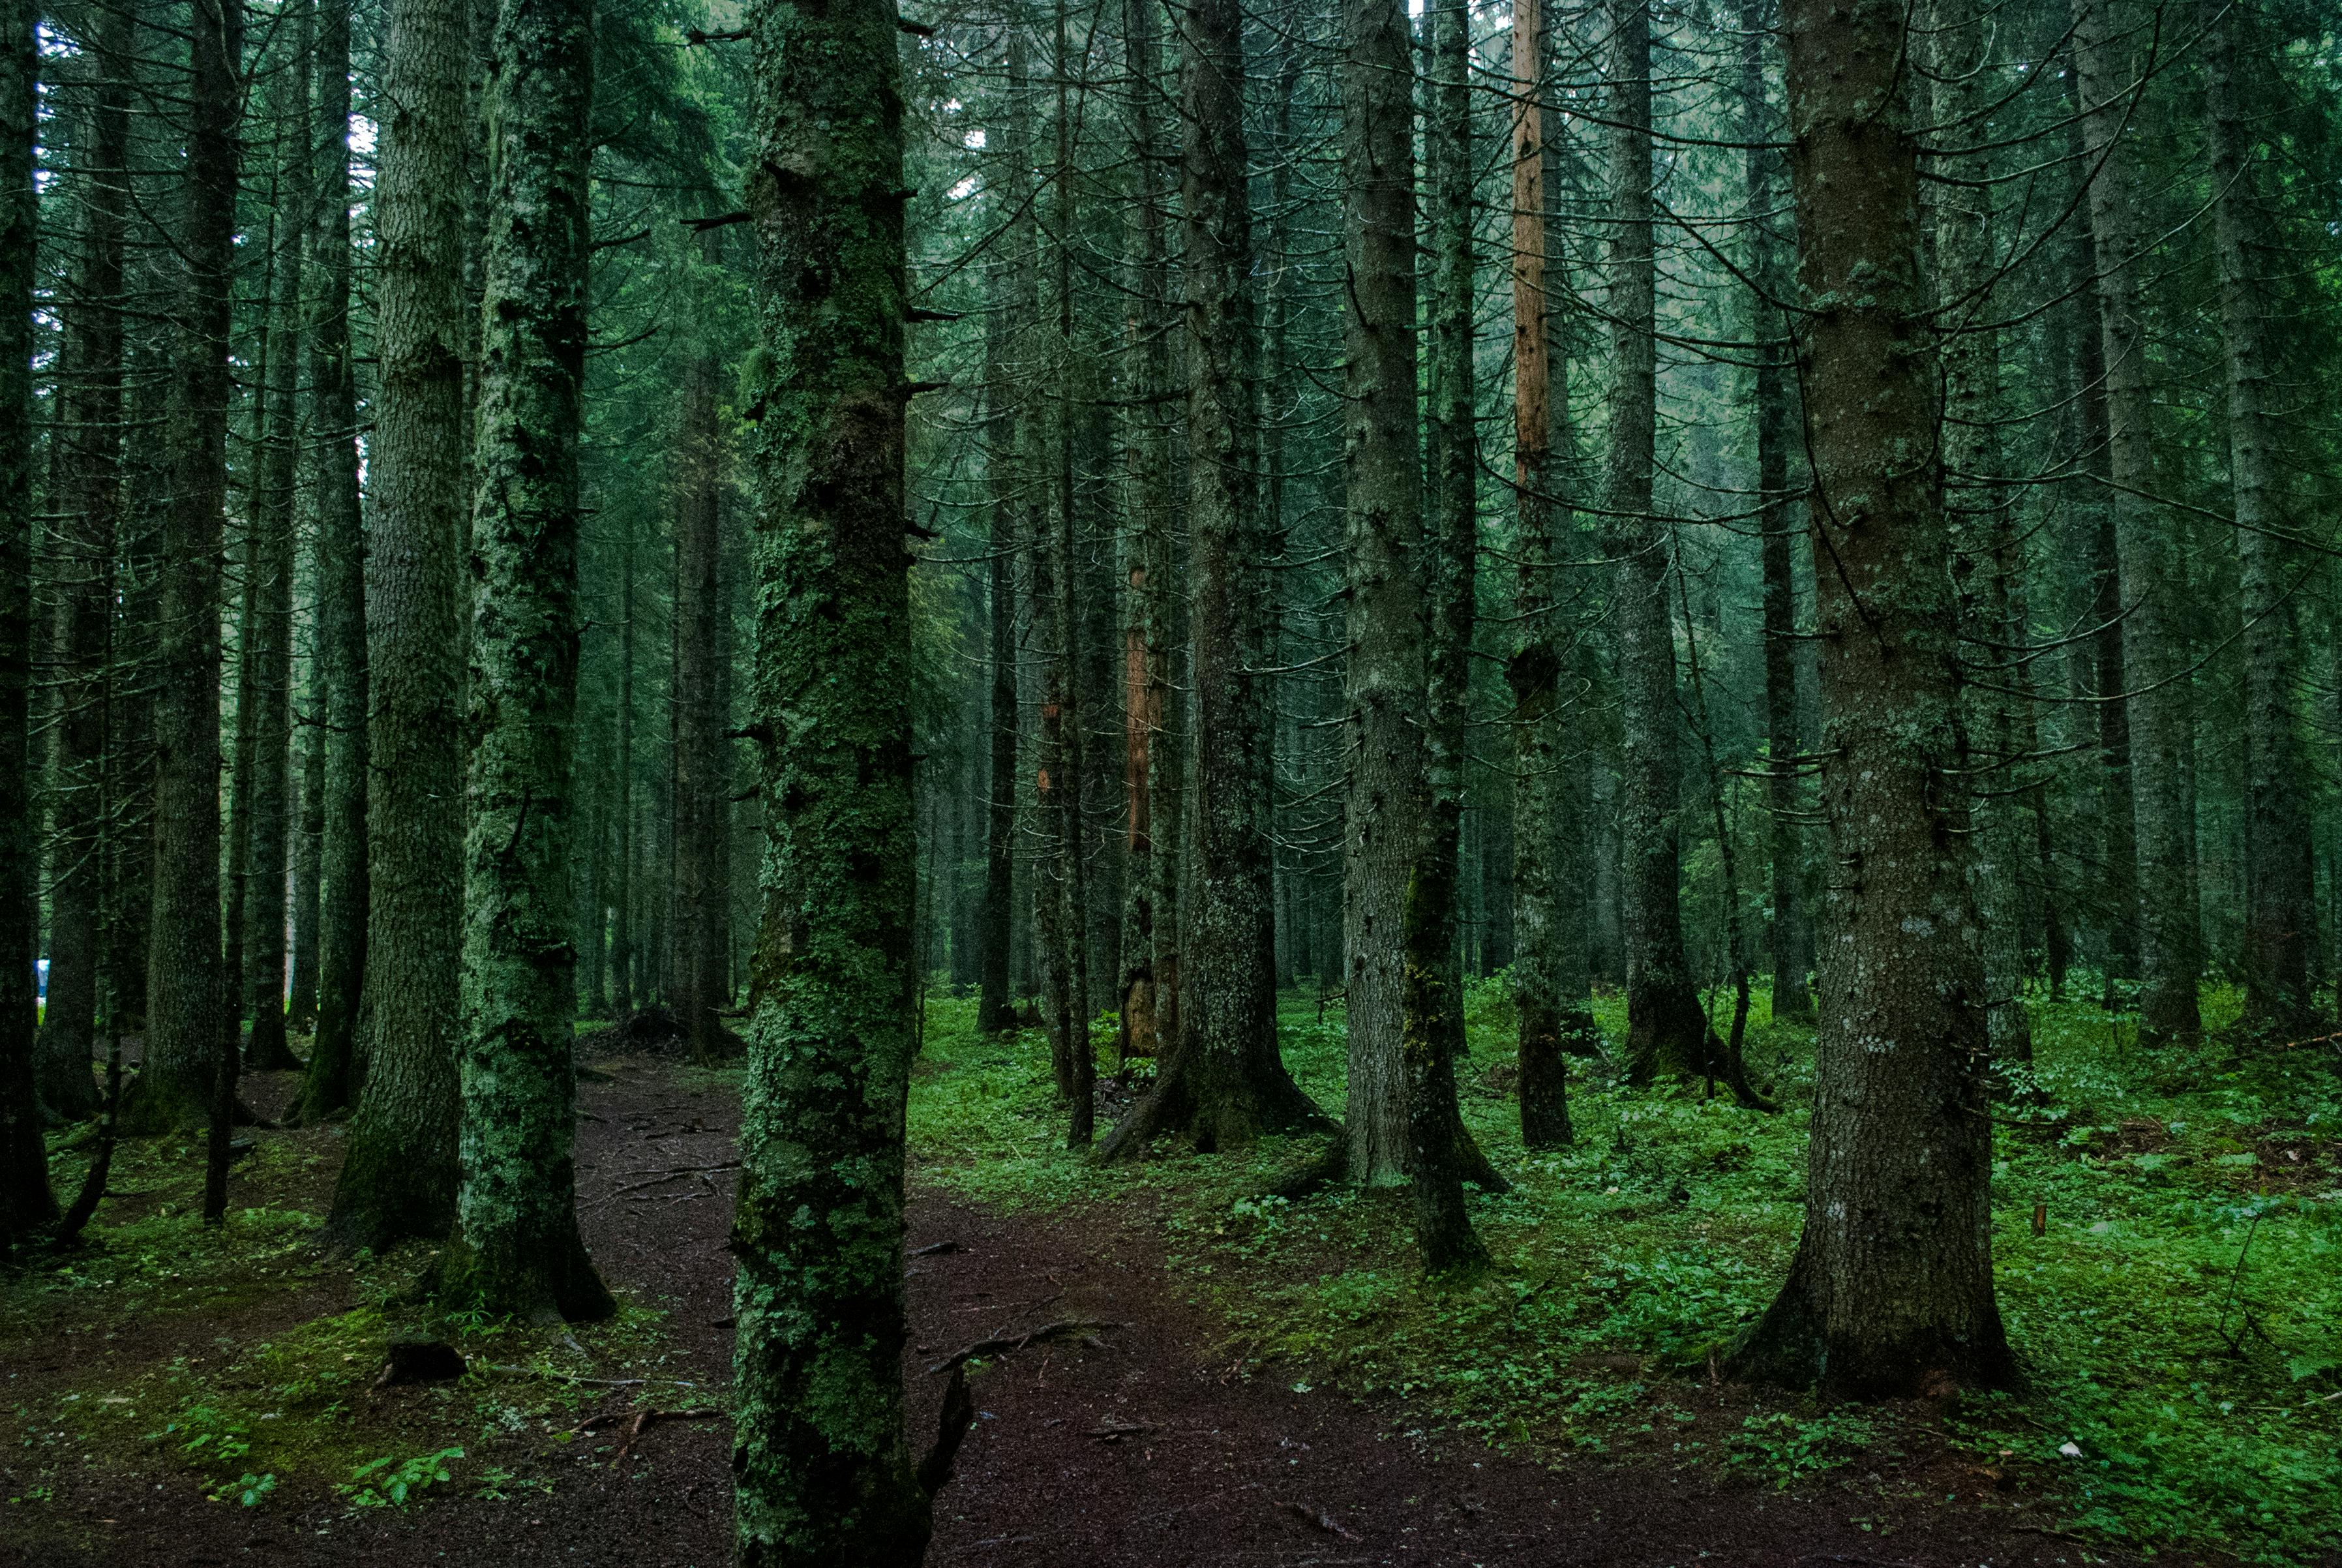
(308, 861)
(26, 1204)
(2154, 652)
(622, 853)
(1977, 502)
(1891, 1290)
(399, 1177)
(1792, 930)
(1225, 1084)
(185, 985)
(997, 926)
(1383, 529)
(91, 393)
(823, 1472)
(702, 782)
(2280, 925)
(340, 572)
(1666, 1031)
(1549, 984)
(516, 1250)
(1432, 992)
(270, 652)
(1145, 547)
(1073, 402)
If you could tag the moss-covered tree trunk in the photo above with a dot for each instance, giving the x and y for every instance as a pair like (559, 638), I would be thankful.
(822, 1469)
(1383, 529)
(339, 571)
(1226, 1083)
(1432, 991)
(84, 840)
(516, 1248)
(2280, 921)
(996, 924)
(185, 984)
(1891, 1289)
(399, 1172)
(2154, 647)
(26, 1204)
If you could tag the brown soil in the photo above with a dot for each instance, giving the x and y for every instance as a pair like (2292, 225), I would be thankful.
(1144, 1445)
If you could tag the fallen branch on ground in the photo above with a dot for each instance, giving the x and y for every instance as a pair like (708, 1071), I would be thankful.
(646, 1418)
(1323, 1520)
(1064, 1328)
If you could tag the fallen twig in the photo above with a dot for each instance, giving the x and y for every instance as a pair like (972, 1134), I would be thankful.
(1064, 1328)
(1323, 1520)
(646, 1418)
(586, 1381)
(1110, 1429)
(936, 1248)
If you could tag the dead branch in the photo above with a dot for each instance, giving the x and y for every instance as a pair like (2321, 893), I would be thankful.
(1064, 1328)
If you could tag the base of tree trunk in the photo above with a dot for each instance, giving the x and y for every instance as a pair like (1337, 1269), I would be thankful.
(1793, 1347)
(154, 1103)
(265, 1051)
(553, 1281)
(1213, 1115)
(384, 1198)
(64, 1078)
(1668, 1035)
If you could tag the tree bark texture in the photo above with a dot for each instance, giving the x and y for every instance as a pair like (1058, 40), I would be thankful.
(400, 1175)
(185, 986)
(1383, 532)
(340, 574)
(2106, 49)
(516, 1250)
(1891, 1290)
(823, 1472)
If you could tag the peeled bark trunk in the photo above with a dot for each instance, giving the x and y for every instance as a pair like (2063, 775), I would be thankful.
(1225, 1085)
(516, 1250)
(2154, 653)
(1552, 1019)
(1145, 549)
(2280, 884)
(822, 1469)
(1792, 929)
(26, 1204)
(1382, 529)
(340, 572)
(91, 392)
(185, 984)
(399, 1177)
(1891, 1289)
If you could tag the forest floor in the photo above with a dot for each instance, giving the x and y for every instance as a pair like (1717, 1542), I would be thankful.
(1277, 1386)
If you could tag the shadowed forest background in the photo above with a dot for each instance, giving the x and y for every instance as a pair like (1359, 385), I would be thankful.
(1501, 780)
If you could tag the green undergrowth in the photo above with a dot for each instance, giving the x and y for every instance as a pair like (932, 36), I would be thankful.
(245, 1359)
(2179, 1316)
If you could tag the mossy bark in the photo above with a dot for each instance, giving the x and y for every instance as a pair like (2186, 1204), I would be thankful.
(399, 1172)
(517, 1249)
(26, 1204)
(1891, 1289)
(186, 987)
(824, 1474)
(1383, 678)
(340, 576)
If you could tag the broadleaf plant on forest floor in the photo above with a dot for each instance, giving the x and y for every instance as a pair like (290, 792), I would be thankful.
(2181, 1386)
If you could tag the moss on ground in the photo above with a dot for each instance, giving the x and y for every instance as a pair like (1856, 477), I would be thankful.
(2180, 1315)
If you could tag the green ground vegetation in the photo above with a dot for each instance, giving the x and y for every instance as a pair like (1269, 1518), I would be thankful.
(2179, 1312)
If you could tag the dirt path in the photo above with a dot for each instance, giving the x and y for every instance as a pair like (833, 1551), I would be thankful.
(1130, 1449)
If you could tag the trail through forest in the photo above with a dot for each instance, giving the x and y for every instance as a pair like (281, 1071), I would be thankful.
(1155, 1441)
